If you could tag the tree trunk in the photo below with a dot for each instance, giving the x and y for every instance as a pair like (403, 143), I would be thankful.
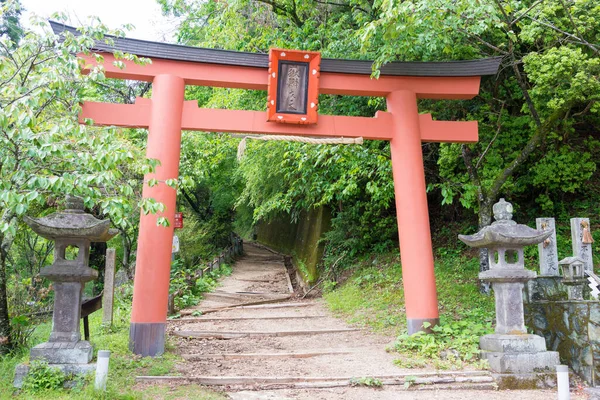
(126, 253)
(485, 219)
(98, 261)
(6, 241)
(5, 342)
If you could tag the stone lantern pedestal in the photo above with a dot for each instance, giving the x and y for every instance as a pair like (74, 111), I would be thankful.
(511, 350)
(72, 231)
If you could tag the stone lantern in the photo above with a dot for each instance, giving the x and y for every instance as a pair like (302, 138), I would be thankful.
(510, 349)
(75, 229)
(573, 276)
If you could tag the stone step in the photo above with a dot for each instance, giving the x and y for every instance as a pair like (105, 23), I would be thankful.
(287, 355)
(242, 334)
(272, 317)
(425, 381)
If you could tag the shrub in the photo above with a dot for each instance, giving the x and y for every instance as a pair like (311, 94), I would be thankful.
(43, 377)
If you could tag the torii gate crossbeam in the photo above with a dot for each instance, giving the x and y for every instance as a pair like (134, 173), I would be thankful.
(167, 114)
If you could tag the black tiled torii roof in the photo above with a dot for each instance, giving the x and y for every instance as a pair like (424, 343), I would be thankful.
(144, 48)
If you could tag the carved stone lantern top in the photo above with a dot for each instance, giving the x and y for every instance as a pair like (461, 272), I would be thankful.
(73, 223)
(504, 232)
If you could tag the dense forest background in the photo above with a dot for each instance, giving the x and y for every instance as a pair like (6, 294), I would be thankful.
(538, 124)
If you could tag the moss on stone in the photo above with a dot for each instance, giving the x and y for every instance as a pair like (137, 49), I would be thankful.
(525, 382)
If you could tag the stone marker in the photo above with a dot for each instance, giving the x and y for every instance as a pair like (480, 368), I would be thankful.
(511, 352)
(109, 288)
(582, 249)
(547, 249)
(71, 228)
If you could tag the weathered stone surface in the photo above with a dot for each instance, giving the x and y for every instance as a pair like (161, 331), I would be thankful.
(73, 222)
(109, 287)
(573, 329)
(67, 313)
(525, 381)
(593, 392)
(546, 288)
(22, 370)
(580, 249)
(521, 363)
(509, 307)
(575, 292)
(512, 343)
(547, 249)
(507, 275)
(80, 352)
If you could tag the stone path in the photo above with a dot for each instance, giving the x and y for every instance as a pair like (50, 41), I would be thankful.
(279, 346)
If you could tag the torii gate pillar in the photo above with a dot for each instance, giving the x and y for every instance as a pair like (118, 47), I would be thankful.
(153, 263)
(412, 212)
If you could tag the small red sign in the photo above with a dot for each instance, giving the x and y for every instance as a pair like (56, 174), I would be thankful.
(178, 220)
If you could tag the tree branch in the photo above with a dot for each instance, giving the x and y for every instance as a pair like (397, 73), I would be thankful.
(524, 13)
(579, 40)
(472, 171)
(191, 202)
(498, 129)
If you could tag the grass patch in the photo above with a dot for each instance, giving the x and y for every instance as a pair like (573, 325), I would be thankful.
(191, 290)
(373, 297)
(123, 369)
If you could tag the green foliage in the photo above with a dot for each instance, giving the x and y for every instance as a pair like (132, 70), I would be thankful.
(288, 177)
(411, 361)
(373, 297)
(535, 118)
(366, 381)
(45, 153)
(207, 194)
(42, 377)
(191, 292)
(453, 341)
(10, 26)
(409, 381)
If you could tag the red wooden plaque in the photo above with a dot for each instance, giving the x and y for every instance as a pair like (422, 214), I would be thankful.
(178, 223)
(293, 91)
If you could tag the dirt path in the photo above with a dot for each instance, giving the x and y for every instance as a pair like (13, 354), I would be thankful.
(282, 347)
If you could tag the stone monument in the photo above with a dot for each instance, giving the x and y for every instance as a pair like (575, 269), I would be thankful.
(75, 229)
(581, 240)
(511, 351)
(547, 248)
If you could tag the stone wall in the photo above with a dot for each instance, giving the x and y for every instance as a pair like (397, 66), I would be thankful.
(571, 327)
(299, 239)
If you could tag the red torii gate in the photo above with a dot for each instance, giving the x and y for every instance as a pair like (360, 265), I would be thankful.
(167, 114)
